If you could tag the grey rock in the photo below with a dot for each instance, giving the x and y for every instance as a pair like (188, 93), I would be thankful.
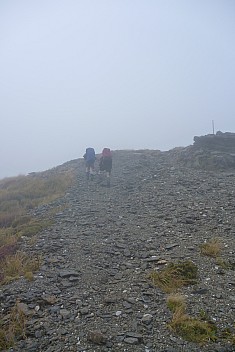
(68, 273)
(171, 246)
(97, 337)
(84, 310)
(147, 318)
(65, 313)
(131, 340)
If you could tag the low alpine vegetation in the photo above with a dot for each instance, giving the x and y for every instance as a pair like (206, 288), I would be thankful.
(19, 195)
(22, 193)
(175, 275)
(199, 330)
(170, 279)
(12, 327)
(19, 264)
(192, 329)
(176, 301)
(212, 248)
(226, 264)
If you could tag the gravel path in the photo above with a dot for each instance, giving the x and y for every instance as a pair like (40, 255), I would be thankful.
(93, 292)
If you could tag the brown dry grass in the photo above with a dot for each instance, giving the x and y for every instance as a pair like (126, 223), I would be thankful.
(17, 196)
(176, 301)
(212, 248)
(12, 327)
(14, 266)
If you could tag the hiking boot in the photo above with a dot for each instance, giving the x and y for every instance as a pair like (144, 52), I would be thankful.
(87, 175)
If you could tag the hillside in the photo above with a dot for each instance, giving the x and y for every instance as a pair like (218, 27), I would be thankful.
(95, 291)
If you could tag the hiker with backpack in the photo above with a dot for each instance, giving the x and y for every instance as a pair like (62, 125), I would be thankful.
(105, 163)
(90, 158)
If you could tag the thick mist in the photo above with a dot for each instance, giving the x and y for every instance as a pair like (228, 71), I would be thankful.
(119, 74)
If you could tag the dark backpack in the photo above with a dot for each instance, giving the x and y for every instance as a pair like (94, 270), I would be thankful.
(90, 154)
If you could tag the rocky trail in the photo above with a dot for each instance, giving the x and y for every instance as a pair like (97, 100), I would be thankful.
(93, 292)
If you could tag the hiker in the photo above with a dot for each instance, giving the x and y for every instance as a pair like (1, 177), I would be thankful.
(105, 163)
(90, 158)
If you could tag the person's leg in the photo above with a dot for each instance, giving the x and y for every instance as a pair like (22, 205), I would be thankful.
(108, 173)
(92, 171)
(87, 171)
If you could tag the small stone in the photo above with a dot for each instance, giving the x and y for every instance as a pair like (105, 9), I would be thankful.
(65, 313)
(134, 334)
(84, 311)
(110, 299)
(147, 318)
(96, 337)
(68, 273)
(38, 334)
(161, 262)
(118, 313)
(37, 308)
(49, 299)
(200, 291)
(127, 305)
(118, 276)
(131, 340)
(170, 246)
(153, 259)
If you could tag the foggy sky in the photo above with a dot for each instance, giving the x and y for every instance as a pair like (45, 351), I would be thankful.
(127, 74)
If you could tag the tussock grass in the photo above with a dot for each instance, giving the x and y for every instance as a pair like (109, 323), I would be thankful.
(19, 264)
(19, 194)
(226, 264)
(29, 275)
(22, 220)
(199, 330)
(12, 327)
(175, 275)
(7, 239)
(176, 301)
(32, 228)
(192, 329)
(212, 248)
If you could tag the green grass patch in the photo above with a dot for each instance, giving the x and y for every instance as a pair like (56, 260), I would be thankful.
(192, 329)
(175, 275)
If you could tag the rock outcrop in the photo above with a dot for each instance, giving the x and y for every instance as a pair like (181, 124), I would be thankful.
(219, 142)
(210, 152)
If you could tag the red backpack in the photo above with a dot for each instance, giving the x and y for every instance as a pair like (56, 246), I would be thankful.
(106, 153)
